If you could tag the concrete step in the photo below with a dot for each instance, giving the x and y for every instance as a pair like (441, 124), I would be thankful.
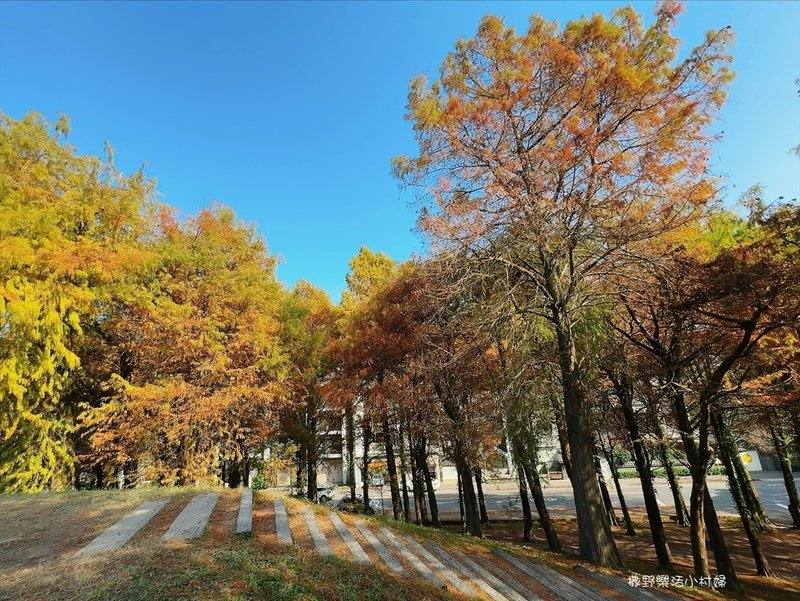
(124, 530)
(320, 542)
(282, 523)
(244, 522)
(415, 561)
(554, 581)
(448, 574)
(193, 519)
(356, 550)
(472, 578)
(380, 549)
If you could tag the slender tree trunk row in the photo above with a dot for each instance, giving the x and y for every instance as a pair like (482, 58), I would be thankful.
(785, 460)
(527, 517)
(481, 499)
(624, 392)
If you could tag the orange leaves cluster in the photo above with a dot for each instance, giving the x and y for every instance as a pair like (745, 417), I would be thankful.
(569, 119)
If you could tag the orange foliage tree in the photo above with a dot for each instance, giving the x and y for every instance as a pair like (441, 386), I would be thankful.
(552, 152)
(202, 361)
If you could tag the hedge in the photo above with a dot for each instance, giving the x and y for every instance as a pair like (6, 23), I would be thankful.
(660, 472)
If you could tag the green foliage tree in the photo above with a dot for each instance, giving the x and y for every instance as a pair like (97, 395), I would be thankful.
(69, 239)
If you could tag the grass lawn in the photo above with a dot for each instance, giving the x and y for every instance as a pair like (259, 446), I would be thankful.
(40, 533)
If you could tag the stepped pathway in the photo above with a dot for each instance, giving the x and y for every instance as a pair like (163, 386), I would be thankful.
(481, 571)
(355, 549)
(193, 519)
(440, 568)
(124, 530)
(380, 549)
(637, 594)
(506, 578)
(554, 581)
(415, 561)
(497, 576)
(472, 578)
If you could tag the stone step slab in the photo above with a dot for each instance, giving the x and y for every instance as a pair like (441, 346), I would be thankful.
(356, 550)
(632, 592)
(471, 577)
(497, 584)
(193, 519)
(282, 523)
(124, 530)
(439, 567)
(380, 549)
(509, 578)
(554, 581)
(244, 521)
(320, 542)
(415, 561)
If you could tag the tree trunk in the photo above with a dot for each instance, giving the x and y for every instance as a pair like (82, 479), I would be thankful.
(312, 450)
(472, 517)
(367, 434)
(526, 506)
(595, 540)
(643, 466)
(722, 556)
(681, 513)
(99, 476)
(629, 529)
(311, 493)
(391, 464)
(403, 473)
(563, 439)
(426, 474)
(697, 528)
(234, 474)
(131, 473)
(785, 459)
(739, 479)
(300, 480)
(535, 485)
(759, 515)
(698, 455)
(481, 499)
(461, 504)
(601, 479)
(418, 480)
(734, 485)
(350, 443)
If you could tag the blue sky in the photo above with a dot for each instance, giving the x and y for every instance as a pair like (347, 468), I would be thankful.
(290, 113)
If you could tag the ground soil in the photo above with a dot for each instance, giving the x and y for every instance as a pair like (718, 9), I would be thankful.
(781, 546)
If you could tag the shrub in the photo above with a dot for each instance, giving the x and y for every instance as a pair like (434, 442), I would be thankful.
(660, 472)
(260, 483)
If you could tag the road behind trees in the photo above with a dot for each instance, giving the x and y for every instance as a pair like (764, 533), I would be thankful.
(502, 497)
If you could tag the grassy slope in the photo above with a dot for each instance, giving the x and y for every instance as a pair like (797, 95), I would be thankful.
(38, 534)
(220, 565)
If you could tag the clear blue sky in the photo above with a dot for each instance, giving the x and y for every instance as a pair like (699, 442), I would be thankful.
(290, 113)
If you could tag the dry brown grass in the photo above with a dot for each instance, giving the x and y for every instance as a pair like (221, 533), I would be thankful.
(782, 547)
(43, 532)
(39, 534)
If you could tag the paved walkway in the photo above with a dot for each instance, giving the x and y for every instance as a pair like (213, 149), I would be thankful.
(500, 576)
